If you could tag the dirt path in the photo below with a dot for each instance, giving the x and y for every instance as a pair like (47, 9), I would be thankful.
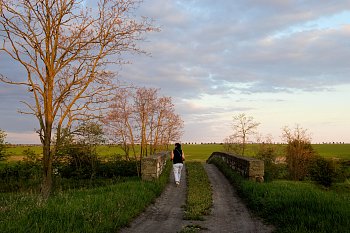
(166, 214)
(228, 214)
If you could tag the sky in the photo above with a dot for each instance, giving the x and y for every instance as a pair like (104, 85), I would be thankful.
(282, 62)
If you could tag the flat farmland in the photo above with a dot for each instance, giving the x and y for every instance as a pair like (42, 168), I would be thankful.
(195, 152)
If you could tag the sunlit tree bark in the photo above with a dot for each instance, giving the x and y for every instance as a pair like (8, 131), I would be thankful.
(65, 49)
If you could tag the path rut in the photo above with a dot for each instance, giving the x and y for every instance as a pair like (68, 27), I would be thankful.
(228, 214)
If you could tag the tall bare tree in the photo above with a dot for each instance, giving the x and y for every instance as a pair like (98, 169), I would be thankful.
(65, 49)
(139, 116)
(243, 126)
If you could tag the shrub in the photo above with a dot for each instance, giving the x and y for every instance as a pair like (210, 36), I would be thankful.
(20, 176)
(299, 157)
(30, 156)
(78, 160)
(326, 171)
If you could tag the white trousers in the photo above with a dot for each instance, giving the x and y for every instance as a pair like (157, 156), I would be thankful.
(177, 167)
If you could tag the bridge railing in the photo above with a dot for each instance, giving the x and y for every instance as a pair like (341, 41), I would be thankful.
(250, 168)
(152, 166)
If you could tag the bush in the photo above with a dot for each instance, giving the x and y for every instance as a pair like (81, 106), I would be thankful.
(79, 161)
(117, 168)
(299, 157)
(268, 154)
(20, 176)
(30, 156)
(326, 171)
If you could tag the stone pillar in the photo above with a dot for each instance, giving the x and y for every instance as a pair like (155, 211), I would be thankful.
(152, 166)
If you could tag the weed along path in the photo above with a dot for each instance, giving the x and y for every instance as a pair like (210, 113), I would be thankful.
(228, 213)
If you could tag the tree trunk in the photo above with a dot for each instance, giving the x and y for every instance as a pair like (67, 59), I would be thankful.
(46, 185)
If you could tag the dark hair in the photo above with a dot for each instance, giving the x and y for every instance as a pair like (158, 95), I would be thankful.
(178, 145)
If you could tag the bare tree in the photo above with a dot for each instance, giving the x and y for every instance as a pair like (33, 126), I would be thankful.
(65, 49)
(243, 126)
(141, 117)
(120, 121)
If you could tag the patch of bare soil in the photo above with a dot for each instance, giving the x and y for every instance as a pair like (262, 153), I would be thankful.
(228, 214)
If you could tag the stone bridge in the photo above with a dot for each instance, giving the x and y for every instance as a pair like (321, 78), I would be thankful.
(251, 168)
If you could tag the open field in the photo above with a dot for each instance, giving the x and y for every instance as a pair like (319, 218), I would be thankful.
(200, 152)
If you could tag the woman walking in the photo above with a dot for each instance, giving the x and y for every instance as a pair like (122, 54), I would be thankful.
(177, 156)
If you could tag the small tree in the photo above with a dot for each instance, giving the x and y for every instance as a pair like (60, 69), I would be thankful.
(268, 152)
(2, 145)
(299, 152)
(79, 148)
(243, 126)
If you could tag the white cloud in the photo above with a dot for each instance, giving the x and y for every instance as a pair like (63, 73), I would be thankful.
(217, 58)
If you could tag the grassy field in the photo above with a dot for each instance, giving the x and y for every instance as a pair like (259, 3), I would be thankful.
(199, 152)
(202, 152)
(101, 209)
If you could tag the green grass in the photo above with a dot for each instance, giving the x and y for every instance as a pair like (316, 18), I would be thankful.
(199, 194)
(294, 206)
(102, 209)
(201, 152)
(341, 151)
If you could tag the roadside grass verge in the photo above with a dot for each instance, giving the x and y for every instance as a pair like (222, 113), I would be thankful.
(199, 193)
(102, 209)
(293, 206)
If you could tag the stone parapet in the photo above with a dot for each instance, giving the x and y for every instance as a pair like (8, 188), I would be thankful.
(152, 166)
(250, 168)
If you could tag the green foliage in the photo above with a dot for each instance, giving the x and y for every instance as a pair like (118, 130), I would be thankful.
(293, 206)
(102, 209)
(78, 160)
(76, 154)
(30, 156)
(89, 133)
(199, 195)
(326, 171)
(20, 176)
(268, 153)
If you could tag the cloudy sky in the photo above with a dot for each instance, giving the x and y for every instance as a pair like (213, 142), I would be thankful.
(283, 62)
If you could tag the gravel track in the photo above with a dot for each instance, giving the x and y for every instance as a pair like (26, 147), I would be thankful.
(228, 214)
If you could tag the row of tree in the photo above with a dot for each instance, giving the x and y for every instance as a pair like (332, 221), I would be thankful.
(139, 116)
